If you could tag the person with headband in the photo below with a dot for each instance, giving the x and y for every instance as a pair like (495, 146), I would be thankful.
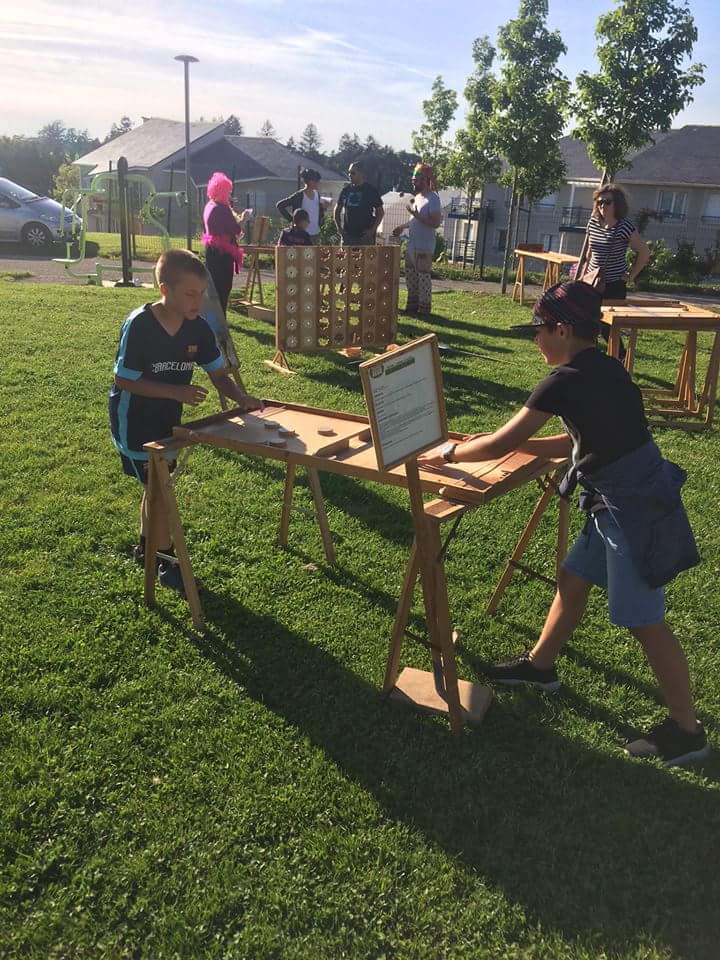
(637, 537)
(426, 216)
(223, 256)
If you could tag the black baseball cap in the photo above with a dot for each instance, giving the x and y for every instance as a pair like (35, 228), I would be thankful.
(574, 303)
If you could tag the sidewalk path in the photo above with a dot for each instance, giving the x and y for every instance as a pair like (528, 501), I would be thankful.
(44, 270)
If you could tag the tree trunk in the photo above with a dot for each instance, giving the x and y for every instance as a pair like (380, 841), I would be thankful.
(470, 199)
(508, 235)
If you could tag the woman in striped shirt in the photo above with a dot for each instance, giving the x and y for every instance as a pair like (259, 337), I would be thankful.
(610, 232)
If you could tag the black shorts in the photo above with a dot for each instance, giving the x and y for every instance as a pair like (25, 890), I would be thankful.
(137, 469)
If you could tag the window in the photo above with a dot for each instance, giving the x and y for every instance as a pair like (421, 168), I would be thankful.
(547, 203)
(672, 204)
(712, 209)
(500, 239)
(547, 241)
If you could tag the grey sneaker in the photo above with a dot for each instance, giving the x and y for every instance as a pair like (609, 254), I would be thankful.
(671, 744)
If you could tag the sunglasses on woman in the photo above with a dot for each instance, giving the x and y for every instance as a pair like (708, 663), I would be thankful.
(605, 201)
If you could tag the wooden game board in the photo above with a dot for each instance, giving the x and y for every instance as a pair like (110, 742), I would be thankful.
(349, 450)
(336, 297)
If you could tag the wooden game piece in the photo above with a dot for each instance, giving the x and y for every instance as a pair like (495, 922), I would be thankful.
(270, 424)
(287, 432)
(277, 442)
(326, 430)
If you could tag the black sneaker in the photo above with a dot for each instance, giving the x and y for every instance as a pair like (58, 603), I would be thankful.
(138, 554)
(671, 744)
(169, 575)
(521, 670)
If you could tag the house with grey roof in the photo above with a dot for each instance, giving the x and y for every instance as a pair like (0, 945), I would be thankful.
(673, 187)
(263, 171)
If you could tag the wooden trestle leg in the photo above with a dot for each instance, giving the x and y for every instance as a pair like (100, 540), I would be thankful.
(440, 691)
(319, 504)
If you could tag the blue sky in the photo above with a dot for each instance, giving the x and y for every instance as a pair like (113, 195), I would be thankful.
(363, 67)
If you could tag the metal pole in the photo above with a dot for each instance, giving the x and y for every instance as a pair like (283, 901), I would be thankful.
(186, 59)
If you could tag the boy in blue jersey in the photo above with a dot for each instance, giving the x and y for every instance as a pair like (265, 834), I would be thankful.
(159, 346)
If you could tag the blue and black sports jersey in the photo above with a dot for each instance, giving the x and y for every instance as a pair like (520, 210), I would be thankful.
(147, 350)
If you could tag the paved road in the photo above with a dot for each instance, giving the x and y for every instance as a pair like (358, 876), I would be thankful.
(43, 270)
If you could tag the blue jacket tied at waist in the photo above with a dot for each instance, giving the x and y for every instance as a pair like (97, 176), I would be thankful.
(642, 492)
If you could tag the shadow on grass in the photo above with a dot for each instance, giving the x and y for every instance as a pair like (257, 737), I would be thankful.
(607, 851)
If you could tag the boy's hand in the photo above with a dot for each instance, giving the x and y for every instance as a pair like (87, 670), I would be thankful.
(248, 403)
(190, 394)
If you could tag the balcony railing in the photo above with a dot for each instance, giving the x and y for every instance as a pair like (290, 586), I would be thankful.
(710, 221)
(669, 216)
(575, 216)
(460, 209)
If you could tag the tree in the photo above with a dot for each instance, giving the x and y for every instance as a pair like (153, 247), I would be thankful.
(267, 129)
(642, 83)
(291, 145)
(474, 160)
(530, 103)
(66, 180)
(429, 140)
(119, 129)
(310, 142)
(233, 127)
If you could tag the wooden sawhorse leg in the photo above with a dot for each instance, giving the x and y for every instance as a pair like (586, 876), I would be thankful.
(318, 502)
(549, 487)
(161, 496)
(439, 691)
(519, 286)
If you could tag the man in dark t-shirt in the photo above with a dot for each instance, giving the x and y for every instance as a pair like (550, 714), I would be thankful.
(359, 210)
(607, 438)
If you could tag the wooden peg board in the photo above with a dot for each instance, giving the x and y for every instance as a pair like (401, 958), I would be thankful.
(330, 298)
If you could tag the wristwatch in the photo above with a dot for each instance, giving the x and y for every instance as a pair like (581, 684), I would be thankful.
(448, 451)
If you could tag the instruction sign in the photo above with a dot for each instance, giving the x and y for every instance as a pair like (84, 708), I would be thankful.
(405, 401)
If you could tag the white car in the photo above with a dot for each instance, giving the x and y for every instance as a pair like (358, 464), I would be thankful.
(38, 222)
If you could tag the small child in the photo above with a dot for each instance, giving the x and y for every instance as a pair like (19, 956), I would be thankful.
(297, 235)
(637, 537)
(159, 346)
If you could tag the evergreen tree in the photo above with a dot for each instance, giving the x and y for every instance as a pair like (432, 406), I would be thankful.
(233, 127)
(119, 129)
(310, 142)
(267, 130)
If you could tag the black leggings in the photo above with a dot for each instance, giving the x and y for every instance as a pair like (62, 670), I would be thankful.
(221, 267)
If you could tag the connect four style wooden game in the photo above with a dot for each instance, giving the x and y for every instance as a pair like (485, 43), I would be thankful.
(331, 298)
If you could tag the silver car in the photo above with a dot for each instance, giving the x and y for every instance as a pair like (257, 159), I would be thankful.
(35, 221)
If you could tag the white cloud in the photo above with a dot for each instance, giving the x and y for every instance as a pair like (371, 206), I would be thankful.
(87, 66)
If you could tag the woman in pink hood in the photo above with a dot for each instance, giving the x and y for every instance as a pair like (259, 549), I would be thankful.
(223, 257)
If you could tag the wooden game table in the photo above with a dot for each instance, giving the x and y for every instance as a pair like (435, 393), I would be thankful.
(682, 405)
(337, 442)
(553, 263)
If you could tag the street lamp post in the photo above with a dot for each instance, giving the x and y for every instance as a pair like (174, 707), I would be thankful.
(186, 59)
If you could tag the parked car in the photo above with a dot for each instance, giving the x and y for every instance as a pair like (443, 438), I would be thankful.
(35, 221)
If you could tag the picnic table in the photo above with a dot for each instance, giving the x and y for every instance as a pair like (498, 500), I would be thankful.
(553, 264)
(681, 405)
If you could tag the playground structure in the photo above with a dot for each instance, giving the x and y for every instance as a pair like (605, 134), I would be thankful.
(136, 199)
(334, 298)
(257, 244)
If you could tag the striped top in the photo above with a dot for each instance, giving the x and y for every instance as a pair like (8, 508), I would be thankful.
(610, 243)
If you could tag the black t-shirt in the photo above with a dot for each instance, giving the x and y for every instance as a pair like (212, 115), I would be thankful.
(294, 237)
(359, 207)
(147, 350)
(601, 407)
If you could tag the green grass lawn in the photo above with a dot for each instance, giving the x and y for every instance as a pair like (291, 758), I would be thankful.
(247, 793)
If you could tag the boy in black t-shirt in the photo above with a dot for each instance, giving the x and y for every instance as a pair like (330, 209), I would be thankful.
(297, 235)
(160, 344)
(637, 537)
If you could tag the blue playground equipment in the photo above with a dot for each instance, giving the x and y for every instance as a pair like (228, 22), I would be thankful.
(100, 188)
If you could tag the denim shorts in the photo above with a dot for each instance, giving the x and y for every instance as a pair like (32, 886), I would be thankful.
(602, 556)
